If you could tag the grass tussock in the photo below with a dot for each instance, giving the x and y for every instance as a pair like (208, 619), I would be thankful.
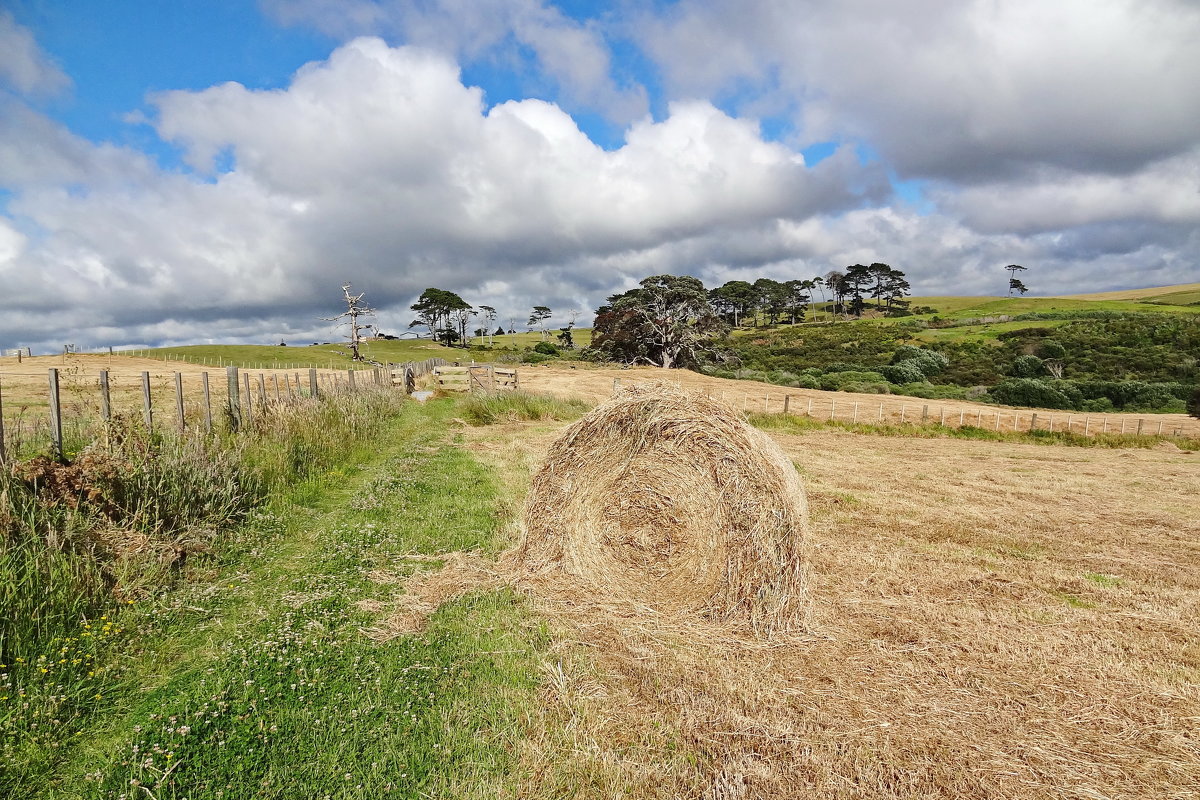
(491, 408)
(788, 424)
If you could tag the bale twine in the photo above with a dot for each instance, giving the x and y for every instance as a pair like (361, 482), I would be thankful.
(670, 499)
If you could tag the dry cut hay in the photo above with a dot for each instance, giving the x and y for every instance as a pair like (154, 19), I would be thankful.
(668, 499)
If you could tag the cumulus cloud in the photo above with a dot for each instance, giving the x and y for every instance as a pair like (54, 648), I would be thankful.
(573, 56)
(380, 166)
(955, 89)
(24, 68)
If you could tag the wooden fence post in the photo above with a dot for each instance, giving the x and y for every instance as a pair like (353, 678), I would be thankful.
(787, 402)
(313, 389)
(942, 416)
(105, 399)
(275, 381)
(1087, 422)
(881, 412)
(179, 399)
(810, 406)
(235, 397)
(1139, 429)
(56, 440)
(350, 379)
(2, 456)
(925, 414)
(1160, 427)
(262, 391)
(1033, 422)
(207, 403)
(247, 399)
(832, 408)
(855, 417)
(147, 402)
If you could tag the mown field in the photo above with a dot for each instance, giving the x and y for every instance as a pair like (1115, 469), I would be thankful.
(1008, 618)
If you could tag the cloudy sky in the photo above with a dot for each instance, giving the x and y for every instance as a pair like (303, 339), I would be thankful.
(213, 170)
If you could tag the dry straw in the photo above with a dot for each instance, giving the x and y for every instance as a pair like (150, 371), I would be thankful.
(668, 499)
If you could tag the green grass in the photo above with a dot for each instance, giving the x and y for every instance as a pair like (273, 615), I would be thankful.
(488, 409)
(984, 333)
(337, 356)
(255, 678)
(1188, 298)
(323, 356)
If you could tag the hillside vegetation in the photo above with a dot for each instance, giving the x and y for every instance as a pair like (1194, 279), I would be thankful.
(1042, 352)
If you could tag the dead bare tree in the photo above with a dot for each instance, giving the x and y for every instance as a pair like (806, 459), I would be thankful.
(355, 308)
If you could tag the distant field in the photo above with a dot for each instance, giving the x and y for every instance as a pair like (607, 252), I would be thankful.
(337, 356)
(1157, 292)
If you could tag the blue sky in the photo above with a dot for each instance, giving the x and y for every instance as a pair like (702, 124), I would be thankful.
(725, 139)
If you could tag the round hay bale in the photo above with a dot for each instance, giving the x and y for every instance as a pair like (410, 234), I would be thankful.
(671, 499)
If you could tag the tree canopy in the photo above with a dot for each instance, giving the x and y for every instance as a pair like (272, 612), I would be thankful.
(668, 321)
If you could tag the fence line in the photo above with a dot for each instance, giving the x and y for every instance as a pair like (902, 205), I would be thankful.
(942, 415)
(246, 396)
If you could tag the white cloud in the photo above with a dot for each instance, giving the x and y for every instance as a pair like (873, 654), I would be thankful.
(380, 166)
(23, 66)
(955, 89)
(571, 56)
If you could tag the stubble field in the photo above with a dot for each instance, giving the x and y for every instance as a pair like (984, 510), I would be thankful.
(991, 619)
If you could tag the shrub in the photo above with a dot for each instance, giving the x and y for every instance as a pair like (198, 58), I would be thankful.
(1029, 392)
(1193, 403)
(1052, 349)
(535, 358)
(932, 391)
(545, 348)
(1028, 367)
(867, 387)
(903, 372)
(835, 381)
(929, 362)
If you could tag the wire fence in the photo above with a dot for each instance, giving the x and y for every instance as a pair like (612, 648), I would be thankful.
(900, 410)
(73, 406)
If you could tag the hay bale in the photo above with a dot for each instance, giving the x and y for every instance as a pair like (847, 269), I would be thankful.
(671, 499)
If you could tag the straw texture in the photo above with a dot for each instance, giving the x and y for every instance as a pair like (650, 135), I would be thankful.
(669, 499)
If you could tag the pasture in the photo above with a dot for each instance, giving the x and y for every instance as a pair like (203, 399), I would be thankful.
(991, 618)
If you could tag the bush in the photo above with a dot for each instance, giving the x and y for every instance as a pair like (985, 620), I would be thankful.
(545, 348)
(929, 362)
(867, 387)
(932, 391)
(904, 372)
(835, 381)
(1028, 367)
(1051, 349)
(1029, 392)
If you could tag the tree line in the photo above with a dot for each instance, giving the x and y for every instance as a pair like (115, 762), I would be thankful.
(447, 317)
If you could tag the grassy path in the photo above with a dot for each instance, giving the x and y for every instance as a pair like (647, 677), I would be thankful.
(262, 683)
